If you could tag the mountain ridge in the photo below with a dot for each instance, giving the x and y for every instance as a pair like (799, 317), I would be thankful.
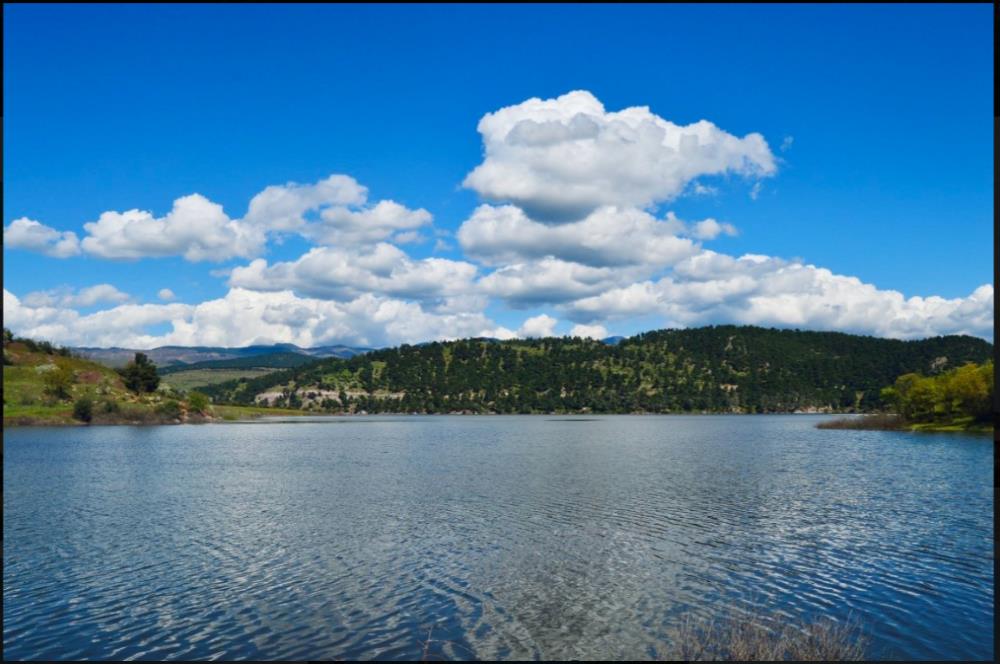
(723, 368)
(173, 355)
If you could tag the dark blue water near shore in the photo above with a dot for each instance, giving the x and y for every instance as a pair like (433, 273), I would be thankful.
(516, 537)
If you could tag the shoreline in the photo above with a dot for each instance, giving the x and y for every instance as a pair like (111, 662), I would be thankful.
(890, 422)
(250, 414)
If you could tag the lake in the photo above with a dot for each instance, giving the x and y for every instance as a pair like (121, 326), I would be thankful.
(501, 537)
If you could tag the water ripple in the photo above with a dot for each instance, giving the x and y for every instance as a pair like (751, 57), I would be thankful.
(512, 538)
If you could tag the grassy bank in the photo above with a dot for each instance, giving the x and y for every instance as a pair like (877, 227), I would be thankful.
(43, 386)
(62, 415)
(892, 422)
(231, 413)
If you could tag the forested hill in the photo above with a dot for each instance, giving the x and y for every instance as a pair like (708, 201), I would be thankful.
(718, 369)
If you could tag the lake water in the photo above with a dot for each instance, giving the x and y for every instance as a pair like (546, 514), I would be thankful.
(510, 537)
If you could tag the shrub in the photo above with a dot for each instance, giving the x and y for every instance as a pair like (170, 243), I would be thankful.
(110, 406)
(197, 402)
(170, 410)
(58, 382)
(83, 409)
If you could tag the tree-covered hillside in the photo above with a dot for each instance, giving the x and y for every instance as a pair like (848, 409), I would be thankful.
(717, 369)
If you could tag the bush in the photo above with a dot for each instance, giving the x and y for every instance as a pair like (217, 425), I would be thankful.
(83, 409)
(110, 406)
(58, 382)
(170, 410)
(197, 402)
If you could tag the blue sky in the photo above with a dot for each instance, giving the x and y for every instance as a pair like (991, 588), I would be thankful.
(877, 120)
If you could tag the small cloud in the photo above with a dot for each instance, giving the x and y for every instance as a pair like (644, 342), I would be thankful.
(786, 143)
(442, 245)
(709, 229)
(589, 331)
(700, 189)
(166, 295)
(67, 297)
(538, 326)
(31, 235)
(755, 191)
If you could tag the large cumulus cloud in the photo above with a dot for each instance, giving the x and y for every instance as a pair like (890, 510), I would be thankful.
(560, 159)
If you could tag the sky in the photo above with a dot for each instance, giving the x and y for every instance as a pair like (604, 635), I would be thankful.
(376, 175)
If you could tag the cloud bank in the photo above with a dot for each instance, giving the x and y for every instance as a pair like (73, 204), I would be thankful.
(569, 227)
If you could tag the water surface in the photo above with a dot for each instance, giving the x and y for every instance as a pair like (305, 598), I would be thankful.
(501, 537)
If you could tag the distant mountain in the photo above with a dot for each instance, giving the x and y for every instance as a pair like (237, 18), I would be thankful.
(179, 355)
(278, 360)
(725, 368)
(614, 341)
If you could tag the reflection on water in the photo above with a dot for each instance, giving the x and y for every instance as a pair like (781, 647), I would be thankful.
(509, 537)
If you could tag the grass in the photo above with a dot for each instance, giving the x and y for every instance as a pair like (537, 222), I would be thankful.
(27, 403)
(195, 378)
(757, 637)
(881, 422)
(891, 422)
(230, 413)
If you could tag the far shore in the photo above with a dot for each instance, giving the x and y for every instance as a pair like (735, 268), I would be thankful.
(225, 414)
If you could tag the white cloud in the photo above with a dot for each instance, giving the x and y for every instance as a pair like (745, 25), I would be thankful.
(166, 295)
(284, 207)
(121, 325)
(551, 280)
(245, 317)
(699, 189)
(409, 237)
(607, 237)
(329, 211)
(340, 225)
(560, 159)
(195, 228)
(538, 326)
(342, 274)
(589, 331)
(760, 290)
(85, 297)
(709, 229)
(29, 234)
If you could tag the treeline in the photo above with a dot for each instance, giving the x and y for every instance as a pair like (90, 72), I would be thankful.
(712, 369)
(265, 361)
(964, 392)
(33, 346)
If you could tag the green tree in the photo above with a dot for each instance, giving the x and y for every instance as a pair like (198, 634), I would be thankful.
(197, 402)
(83, 409)
(140, 374)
